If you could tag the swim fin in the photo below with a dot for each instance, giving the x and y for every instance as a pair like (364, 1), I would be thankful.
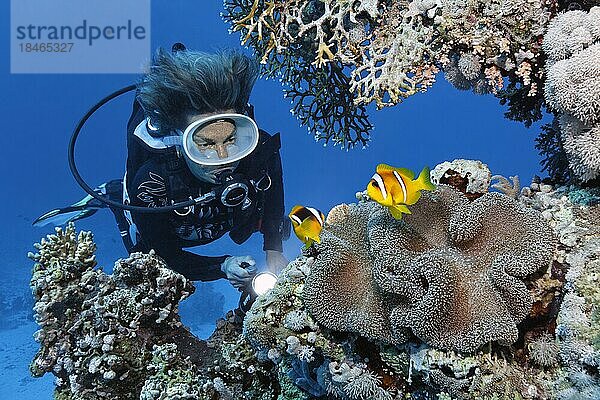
(62, 216)
(82, 209)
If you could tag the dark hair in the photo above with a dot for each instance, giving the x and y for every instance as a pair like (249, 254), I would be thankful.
(187, 82)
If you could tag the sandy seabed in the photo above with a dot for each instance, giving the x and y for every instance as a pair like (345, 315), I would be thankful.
(17, 349)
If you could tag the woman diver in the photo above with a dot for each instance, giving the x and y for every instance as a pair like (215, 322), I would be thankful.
(192, 136)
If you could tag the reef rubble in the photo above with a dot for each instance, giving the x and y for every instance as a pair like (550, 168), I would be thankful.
(493, 297)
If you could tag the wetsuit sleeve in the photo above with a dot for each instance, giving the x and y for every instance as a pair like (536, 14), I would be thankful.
(156, 231)
(274, 207)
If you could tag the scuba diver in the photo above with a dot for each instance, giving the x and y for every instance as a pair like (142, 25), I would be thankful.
(192, 141)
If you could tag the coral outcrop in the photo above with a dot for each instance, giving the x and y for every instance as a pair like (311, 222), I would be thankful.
(120, 337)
(469, 176)
(551, 353)
(532, 55)
(97, 330)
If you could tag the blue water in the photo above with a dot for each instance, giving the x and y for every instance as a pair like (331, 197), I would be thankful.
(38, 113)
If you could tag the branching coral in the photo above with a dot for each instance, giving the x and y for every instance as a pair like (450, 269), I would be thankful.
(446, 272)
(313, 76)
(376, 51)
(511, 189)
(550, 147)
(572, 88)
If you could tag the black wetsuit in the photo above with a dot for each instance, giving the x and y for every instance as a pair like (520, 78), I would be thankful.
(160, 177)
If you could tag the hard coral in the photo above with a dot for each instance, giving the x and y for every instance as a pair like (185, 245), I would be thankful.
(96, 329)
(171, 376)
(352, 53)
(469, 176)
(572, 88)
(119, 336)
(449, 272)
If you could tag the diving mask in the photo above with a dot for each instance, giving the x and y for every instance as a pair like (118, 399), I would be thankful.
(242, 141)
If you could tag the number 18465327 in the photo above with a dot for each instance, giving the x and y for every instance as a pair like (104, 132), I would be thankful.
(49, 47)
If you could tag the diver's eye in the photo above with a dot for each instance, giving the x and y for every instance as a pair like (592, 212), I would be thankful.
(374, 183)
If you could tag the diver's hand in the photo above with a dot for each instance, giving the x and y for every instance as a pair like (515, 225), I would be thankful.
(276, 261)
(237, 275)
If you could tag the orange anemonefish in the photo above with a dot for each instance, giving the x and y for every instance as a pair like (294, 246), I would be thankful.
(308, 224)
(396, 188)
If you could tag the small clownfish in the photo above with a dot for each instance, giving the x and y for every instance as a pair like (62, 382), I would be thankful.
(396, 188)
(308, 224)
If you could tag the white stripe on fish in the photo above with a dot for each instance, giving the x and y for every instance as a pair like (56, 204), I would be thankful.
(379, 181)
(401, 181)
(316, 214)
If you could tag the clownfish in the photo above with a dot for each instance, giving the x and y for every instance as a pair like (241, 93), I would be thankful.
(396, 188)
(308, 224)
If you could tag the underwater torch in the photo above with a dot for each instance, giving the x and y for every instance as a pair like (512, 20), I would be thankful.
(261, 284)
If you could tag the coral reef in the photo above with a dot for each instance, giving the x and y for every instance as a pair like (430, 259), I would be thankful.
(349, 364)
(490, 298)
(309, 355)
(308, 72)
(572, 87)
(577, 228)
(376, 51)
(382, 52)
(97, 330)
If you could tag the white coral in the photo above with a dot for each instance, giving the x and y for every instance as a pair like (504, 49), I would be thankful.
(572, 87)
(544, 351)
(343, 373)
(469, 65)
(570, 32)
(582, 146)
(296, 320)
(364, 386)
(420, 7)
(293, 344)
(305, 353)
(478, 174)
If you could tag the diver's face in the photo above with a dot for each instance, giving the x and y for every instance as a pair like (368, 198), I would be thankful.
(214, 136)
